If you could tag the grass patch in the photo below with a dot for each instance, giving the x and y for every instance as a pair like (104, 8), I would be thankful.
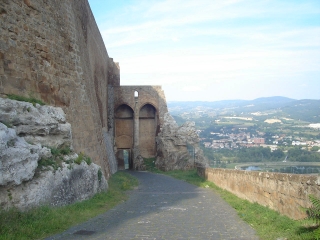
(55, 161)
(150, 165)
(82, 157)
(60, 151)
(32, 100)
(58, 157)
(268, 224)
(45, 221)
(8, 125)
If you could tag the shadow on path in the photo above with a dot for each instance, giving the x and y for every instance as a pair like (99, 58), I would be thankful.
(165, 208)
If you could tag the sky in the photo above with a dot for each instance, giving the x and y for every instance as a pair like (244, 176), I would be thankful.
(211, 50)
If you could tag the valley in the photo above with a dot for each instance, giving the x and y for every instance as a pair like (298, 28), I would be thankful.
(266, 129)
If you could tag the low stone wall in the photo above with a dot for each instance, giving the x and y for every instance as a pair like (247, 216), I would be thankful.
(285, 193)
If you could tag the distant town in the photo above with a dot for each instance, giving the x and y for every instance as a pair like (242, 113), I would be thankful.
(244, 138)
(275, 129)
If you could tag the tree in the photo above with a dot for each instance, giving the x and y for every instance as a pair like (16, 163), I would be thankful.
(315, 148)
(277, 155)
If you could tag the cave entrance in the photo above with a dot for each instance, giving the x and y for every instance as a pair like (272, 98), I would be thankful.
(124, 158)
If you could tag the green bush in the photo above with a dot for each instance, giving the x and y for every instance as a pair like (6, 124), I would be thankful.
(150, 165)
(99, 175)
(314, 211)
(65, 150)
(87, 160)
(79, 159)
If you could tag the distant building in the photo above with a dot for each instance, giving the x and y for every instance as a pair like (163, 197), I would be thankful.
(258, 141)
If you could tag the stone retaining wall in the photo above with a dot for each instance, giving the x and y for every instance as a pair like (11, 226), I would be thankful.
(285, 193)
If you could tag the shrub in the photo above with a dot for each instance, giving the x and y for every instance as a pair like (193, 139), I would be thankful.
(314, 211)
(83, 157)
(99, 175)
(79, 159)
(65, 150)
(55, 151)
(87, 160)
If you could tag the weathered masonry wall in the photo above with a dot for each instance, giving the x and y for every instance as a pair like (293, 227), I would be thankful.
(139, 113)
(53, 50)
(285, 193)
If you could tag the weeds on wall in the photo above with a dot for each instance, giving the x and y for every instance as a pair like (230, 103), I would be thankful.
(32, 100)
(57, 158)
(55, 161)
(99, 175)
(82, 157)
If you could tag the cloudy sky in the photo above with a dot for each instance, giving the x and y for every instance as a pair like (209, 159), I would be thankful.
(208, 50)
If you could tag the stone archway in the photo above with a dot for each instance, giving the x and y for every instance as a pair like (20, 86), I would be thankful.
(124, 135)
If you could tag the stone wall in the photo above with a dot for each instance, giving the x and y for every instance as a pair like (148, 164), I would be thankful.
(285, 193)
(139, 114)
(52, 50)
(153, 95)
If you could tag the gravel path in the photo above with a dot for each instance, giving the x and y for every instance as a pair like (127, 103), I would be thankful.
(165, 208)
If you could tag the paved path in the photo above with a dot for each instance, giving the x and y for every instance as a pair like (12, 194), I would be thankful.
(165, 208)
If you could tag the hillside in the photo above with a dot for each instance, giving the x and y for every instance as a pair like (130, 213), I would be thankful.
(305, 110)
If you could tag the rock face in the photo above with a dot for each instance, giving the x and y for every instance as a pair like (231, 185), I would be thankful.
(177, 146)
(38, 124)
(19, 159)
(68, 184)
(26, 133)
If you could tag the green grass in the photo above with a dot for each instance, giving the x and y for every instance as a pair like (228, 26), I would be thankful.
(44, 221)
(57, 158)
(150, 165)
(55, 161)
(82, 157)
(25, 99)
(268, 224)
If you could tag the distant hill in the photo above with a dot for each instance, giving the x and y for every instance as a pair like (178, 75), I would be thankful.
(269, 102)
(305, 110)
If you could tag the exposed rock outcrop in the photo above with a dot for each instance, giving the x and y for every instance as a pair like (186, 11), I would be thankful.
(19, 159)
(29, 173)
(37, 124)
(178, 146)
(68, 184)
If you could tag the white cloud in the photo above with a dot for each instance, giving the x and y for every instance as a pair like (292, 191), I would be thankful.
(216, 44)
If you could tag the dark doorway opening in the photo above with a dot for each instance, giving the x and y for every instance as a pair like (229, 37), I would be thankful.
(124, 158)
